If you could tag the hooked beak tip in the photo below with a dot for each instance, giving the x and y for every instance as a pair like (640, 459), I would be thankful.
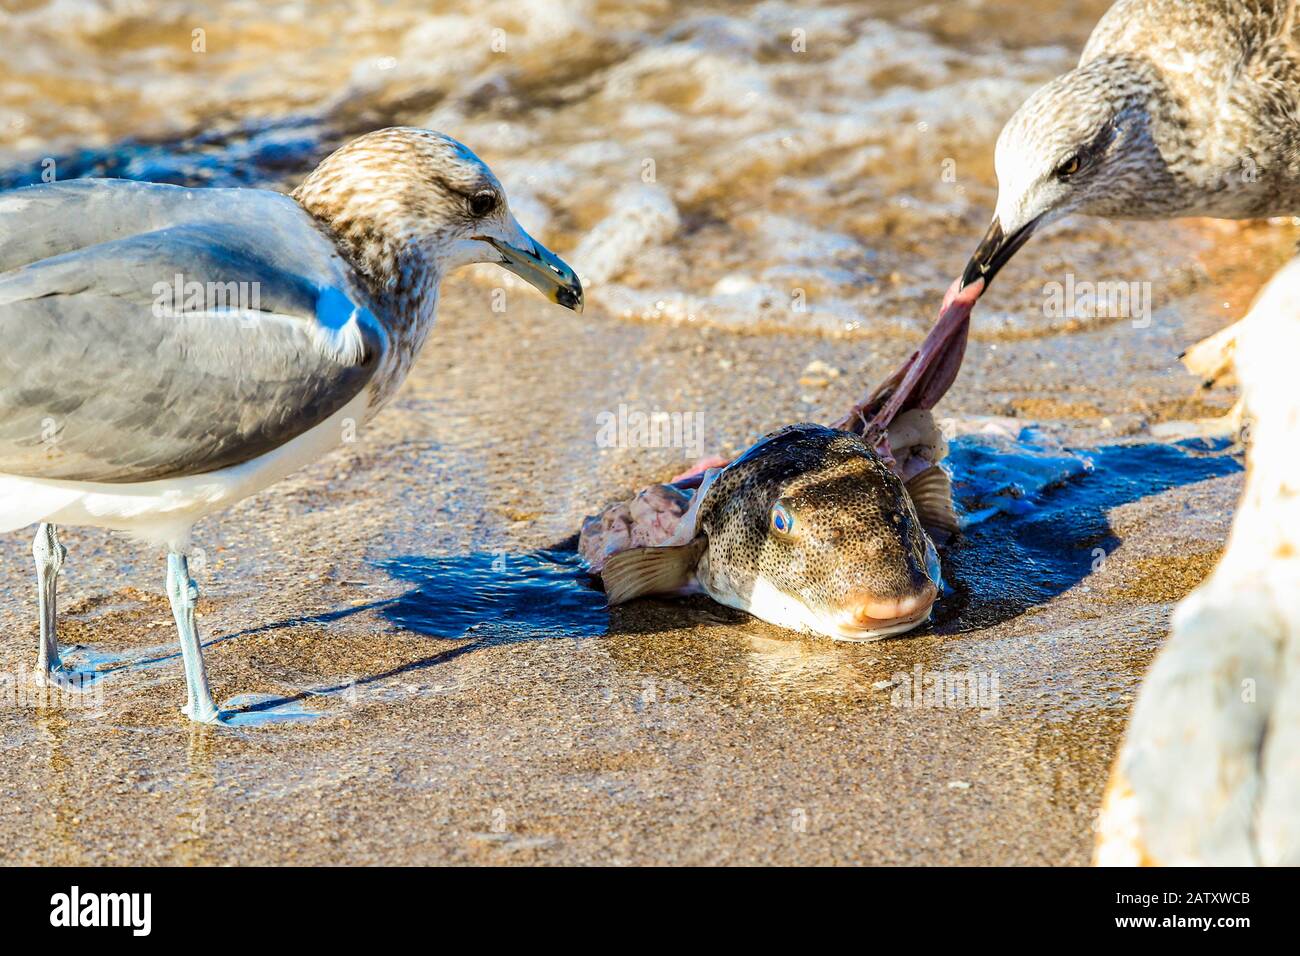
(542, 269)
(570, 296)
(975, 271)
(994, 251)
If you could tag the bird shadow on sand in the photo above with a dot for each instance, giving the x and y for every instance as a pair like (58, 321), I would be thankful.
(482, 598)
(994, 571)
(470, 601)
(1002, 567)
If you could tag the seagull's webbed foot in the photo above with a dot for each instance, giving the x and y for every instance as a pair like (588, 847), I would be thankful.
(49, 555)
(184, 596)
(1231, 425)
(1213, 361)
(215, 717)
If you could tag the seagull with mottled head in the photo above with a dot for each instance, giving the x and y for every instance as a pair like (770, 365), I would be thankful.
(170, 351)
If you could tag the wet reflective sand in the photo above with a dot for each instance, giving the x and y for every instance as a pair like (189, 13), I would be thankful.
(477, 703)
(423, 675)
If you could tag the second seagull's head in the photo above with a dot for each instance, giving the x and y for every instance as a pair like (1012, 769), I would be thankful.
(1083, 143)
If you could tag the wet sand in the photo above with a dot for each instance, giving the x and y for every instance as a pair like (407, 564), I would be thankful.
(437, 684)
(666, 732)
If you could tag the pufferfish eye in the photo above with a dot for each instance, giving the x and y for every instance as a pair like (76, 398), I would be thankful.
(482, 203)
(782, 520)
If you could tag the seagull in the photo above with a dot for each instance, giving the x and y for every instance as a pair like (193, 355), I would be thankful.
(171, 351)
(1177, 108)
(1209, 771)
(1189, 109)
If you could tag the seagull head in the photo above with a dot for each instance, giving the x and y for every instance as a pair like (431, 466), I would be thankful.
(1083, 144)
(401, 198)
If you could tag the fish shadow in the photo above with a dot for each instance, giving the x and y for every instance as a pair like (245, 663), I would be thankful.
(999, 569)
(995, 571)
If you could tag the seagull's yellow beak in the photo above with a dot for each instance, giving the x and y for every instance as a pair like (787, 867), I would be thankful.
(538, 266)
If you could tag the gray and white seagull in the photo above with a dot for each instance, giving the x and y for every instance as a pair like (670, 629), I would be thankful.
(166, 352)
(1177, 108)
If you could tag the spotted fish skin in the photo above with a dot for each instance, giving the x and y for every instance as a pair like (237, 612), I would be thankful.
(854, 533)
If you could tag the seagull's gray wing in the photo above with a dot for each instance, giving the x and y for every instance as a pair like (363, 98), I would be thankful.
(153, 332)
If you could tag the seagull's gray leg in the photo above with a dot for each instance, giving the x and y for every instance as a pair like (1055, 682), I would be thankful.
(184, 595)
(49, 555)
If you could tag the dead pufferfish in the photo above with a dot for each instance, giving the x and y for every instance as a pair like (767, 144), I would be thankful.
(808, 529)
(813, 528)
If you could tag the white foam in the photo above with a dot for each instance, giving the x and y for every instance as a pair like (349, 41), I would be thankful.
(641, 217)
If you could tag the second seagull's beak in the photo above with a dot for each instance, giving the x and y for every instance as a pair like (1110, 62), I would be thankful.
(538, 266)
(995, 250)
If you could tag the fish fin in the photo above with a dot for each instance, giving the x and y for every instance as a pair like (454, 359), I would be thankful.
(931, 493)
(661, 570)
(686, 531)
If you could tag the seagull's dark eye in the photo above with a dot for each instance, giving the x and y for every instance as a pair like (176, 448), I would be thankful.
(482, 203)
(782, 520)
(1069, 167)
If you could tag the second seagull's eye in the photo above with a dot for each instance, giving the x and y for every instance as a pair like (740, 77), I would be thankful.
(482, 203)
(1069, 167)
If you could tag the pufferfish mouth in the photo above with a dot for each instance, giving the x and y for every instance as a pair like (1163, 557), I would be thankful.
(873, 618)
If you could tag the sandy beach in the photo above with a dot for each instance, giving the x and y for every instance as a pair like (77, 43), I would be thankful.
(434, 681)
(662, 732)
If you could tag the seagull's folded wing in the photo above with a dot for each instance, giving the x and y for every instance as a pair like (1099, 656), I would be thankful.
(152, 332)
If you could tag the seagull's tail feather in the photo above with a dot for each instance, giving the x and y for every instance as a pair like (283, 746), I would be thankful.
(24, 502)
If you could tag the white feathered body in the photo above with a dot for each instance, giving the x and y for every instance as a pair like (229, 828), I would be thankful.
(1209, 772)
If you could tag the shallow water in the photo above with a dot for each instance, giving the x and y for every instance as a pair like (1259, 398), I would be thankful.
(748, 166)
(497, 597)
(1053, 530)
